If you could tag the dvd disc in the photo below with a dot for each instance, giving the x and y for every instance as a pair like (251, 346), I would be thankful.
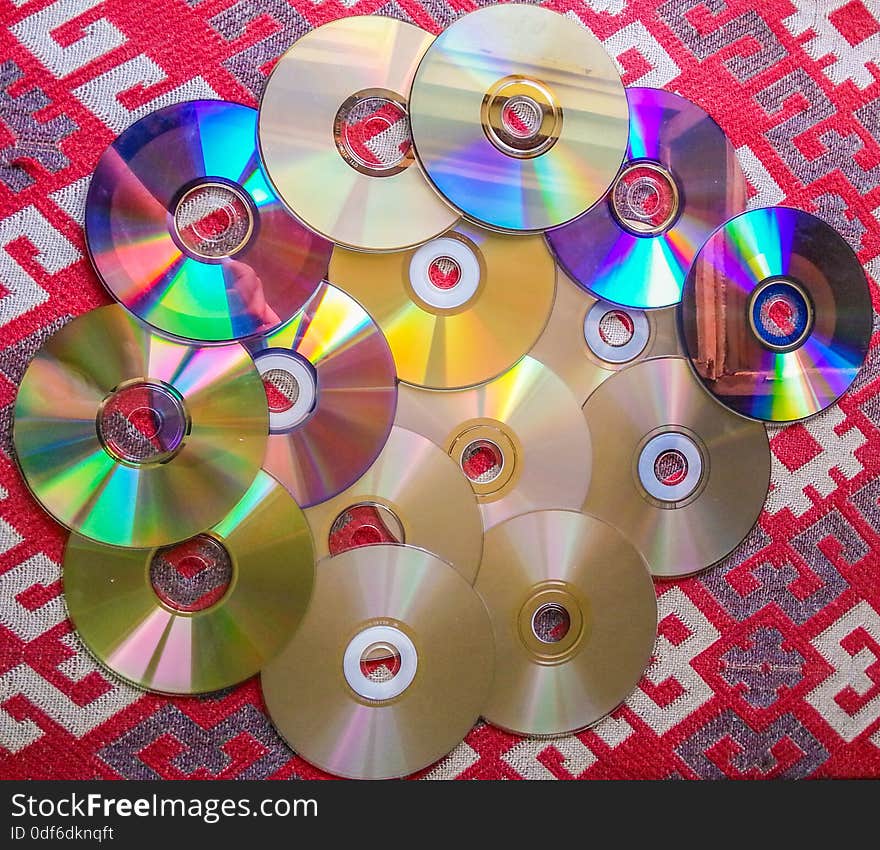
(680, 181)
(588, 340)
(131, 439)
(519, 117)
(334, 133)
(776, 315)
(200, 615)
(332, 390)
(681, 477)
(459, 310)
(186, 232)
(521, 440)
(414, 495)
(390, 668)
(574, 613)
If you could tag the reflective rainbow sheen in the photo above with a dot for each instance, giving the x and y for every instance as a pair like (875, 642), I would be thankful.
(152, 504)
(465, 61)
(121, 619)
(755, 380)
(356, 397)
(649, 271)
(129, 223)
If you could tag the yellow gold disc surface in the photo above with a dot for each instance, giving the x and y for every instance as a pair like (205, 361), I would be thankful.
(574, 614)
(334, 135)
(354, 716)
(521, 439)
(172, 645)
(458, 310)
(432, 506)
(680, 475)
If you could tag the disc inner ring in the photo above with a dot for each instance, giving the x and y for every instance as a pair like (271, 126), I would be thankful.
(489, 459)
(781, 314)
(212, 220)
(616, 334)
(557, 600)
(371, 132)
(645, 198)
(671, 467)
(366, 644)
(366, 523)
(461, 264)
(521, 117)
(193, 576)
(291, 384)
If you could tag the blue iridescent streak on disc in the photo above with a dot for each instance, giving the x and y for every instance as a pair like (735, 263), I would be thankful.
(144, 261)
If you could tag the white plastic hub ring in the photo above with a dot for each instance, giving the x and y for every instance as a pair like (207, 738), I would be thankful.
(369, 688)
(660, 445)
(302, 373)
(420, 273)
(616, 353)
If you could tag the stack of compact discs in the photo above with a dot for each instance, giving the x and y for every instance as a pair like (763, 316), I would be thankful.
(418, 377)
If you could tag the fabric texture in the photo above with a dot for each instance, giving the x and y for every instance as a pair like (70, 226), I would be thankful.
(765, 666)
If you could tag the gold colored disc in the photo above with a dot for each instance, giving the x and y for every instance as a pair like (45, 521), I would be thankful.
(429, 501)
(681, 476)
(574, 613)
(239, 594)
(459, 310)
(588, 340)
(521, 440)
(334, 134)
(390, 668)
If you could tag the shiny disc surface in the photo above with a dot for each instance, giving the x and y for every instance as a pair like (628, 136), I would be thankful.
(334, 133)
(131, 439)
(679, 475)
(587, 340)
(186, 232)
(423, 497)
(519, 117)
(776, 314)
(521, 439)
(410, 604)
(458, 310)
(680, 181)
(140, 636)
(332, 388)
(574, 613)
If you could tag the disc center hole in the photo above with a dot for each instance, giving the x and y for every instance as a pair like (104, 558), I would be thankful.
(364, 524)
(551, 623)
(142, 422)
(380, 662)
(371, 131)
(482, 461)
(193, 575)
(213, 221)
(444, 273)
(616, 328)
(522, 117)
(645, 198)
(781, 314)
(282, 389)
(291, 385)
(671, 468)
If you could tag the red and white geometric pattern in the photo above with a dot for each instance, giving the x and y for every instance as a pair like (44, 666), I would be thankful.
(768, 665)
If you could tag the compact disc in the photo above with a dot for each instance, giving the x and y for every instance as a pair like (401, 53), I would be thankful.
(335, 136)
(186, 232)
(680, 476)
(203, 614)
(458, 310)
(680, 181)
(414, 495)
(574, 613)
(332, 391)
(587, 340)
(776, 314)
(131, 439)
(519, 117)
(389, 669)
(521, 440)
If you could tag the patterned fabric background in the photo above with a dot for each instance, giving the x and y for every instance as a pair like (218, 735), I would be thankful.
(766, 666)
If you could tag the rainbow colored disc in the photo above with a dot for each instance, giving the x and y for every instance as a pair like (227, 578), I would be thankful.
(185, 231)
(135, 440)
(332, 390)
(680, 181)
(776, 314)
(518, 117)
